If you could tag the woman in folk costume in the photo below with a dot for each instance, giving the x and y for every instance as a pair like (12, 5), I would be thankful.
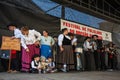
(30, 44)
(65, 56)
(46, 43)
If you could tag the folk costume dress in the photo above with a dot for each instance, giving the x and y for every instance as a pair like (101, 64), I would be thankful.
(66, 56)
(28, 42)
(46, 43)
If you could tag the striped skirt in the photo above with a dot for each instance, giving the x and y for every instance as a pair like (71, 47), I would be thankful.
(27, 56)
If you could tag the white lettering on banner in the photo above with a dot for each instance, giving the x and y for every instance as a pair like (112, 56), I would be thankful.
(85, 30)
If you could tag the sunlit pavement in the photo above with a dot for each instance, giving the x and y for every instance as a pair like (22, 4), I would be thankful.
(93, 75)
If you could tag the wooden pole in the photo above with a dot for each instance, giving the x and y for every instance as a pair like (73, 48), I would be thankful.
(9, 65)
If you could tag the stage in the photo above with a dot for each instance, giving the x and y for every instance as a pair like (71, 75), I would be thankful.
(93, 75)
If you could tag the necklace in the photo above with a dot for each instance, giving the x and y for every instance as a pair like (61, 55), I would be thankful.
(45, 39)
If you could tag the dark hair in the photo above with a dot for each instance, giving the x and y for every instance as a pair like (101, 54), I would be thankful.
(45, 31)
(94, 35)
(50, 57)
(55, 36)
(64, 29)
(70, 34)
(11, 25)
(87, 38)
(36, 55)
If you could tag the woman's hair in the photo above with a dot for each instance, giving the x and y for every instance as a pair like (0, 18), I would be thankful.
(25, 28)
(46, 31)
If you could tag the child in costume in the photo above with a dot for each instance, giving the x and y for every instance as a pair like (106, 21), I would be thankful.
(44, 64)
(35, 64)
(51, 65)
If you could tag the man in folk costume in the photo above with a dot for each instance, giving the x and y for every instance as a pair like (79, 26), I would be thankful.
(46, 43)
(96, 51)
(30, 43)
(89, 62)
(65, 56)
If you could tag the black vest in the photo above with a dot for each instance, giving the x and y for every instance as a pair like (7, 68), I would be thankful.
(66, 41)
(36, 65)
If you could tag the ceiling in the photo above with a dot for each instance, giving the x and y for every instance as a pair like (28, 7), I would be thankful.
(106, 9)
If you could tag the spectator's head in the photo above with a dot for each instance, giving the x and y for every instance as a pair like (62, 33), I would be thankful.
(11, 27)
(36, 57)
(25, 30)
(95, 37)
(65, 31)
(45, 33)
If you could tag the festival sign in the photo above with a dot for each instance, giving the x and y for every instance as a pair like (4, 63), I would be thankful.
(85, 30)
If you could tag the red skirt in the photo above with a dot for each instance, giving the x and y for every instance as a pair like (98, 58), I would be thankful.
(27, 56)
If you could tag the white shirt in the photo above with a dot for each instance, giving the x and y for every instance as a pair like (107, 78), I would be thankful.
(74, 41)
(47, 40)
(87, 46)
(95, 45)
(60, 39)
(51, 64)
(33, 65)
(31, 38)
(17, 33)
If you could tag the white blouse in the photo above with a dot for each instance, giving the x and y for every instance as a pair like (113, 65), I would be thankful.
(31, 38)
(60, 39)
(95, 45)
(87, 46)
(74, 40)
(47, 41)
(17, 33)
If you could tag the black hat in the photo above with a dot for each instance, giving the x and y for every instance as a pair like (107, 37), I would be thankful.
(94, 35)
